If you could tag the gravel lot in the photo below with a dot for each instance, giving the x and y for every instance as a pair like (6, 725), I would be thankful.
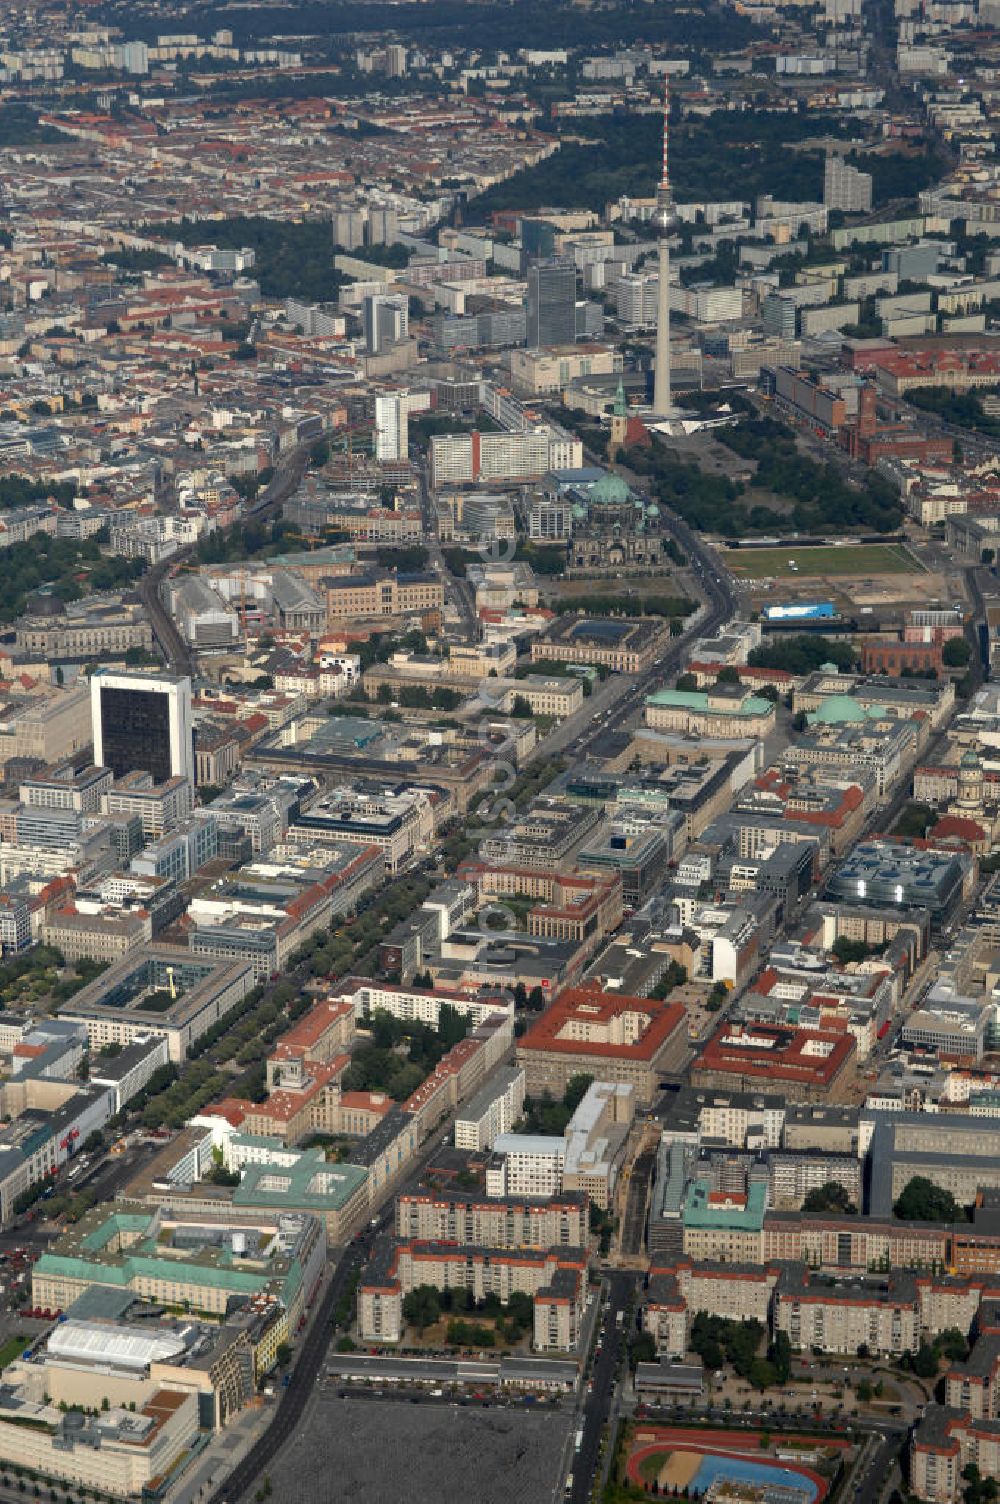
(392, 1452)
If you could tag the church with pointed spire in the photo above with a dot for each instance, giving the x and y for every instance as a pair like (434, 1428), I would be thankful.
(626, 432)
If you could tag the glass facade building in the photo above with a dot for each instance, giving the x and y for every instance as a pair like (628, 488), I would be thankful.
(136, 725)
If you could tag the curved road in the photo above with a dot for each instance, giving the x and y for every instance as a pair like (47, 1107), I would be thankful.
(285, 481)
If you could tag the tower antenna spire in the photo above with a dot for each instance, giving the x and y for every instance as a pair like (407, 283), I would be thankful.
(664, 225)
(665, 173)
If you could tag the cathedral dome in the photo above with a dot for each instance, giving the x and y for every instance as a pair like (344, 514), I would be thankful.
(610, 490)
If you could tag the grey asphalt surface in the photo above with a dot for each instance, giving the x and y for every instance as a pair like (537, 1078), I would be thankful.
(383, 1451)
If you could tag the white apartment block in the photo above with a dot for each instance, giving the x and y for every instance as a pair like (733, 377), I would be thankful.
(739, 1121)
(467, 458)
(845, 187)
(493, 1111)
(416, 1005)
(528, 1164)
(838, 1315)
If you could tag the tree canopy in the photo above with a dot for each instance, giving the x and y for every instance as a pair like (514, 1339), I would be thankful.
(964, 409)
(70, 568)
(379, 1065)
(294, 258)
(22, 491)
(802, 653)
(923, 1201)
(831, 1197)
(824, 500)
(717, 1339)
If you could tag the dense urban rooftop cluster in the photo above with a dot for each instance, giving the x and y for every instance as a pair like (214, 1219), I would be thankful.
(499, 903)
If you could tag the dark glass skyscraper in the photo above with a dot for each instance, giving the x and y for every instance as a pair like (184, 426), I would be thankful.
(551, 303)
(136, 724)
(142, 723)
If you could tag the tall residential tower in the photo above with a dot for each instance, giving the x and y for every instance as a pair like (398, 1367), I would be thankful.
(665, 225)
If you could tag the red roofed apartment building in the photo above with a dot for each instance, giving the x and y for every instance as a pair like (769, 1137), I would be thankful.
(556, 1279)
(303, 1080)
(314, 1039)
(806, 1065)
(604, 1035)
(289, 1114)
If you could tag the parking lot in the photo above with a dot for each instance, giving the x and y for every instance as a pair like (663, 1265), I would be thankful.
(439, 1452)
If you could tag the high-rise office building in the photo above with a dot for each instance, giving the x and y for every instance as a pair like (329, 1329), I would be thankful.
(395, 60)
(386, 321)
(551, 304)
(142, 723)
(392, 425)
(778, 316)
(392, 428)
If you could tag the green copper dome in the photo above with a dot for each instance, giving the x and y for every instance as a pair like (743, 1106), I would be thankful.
(610, 490)
(837, 709)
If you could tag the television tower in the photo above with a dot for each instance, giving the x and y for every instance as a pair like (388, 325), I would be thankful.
(664, 225)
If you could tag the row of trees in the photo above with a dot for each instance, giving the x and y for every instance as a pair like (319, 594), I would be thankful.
(419, 697)
(242, 1039)
(346, 946)
(639, 604)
